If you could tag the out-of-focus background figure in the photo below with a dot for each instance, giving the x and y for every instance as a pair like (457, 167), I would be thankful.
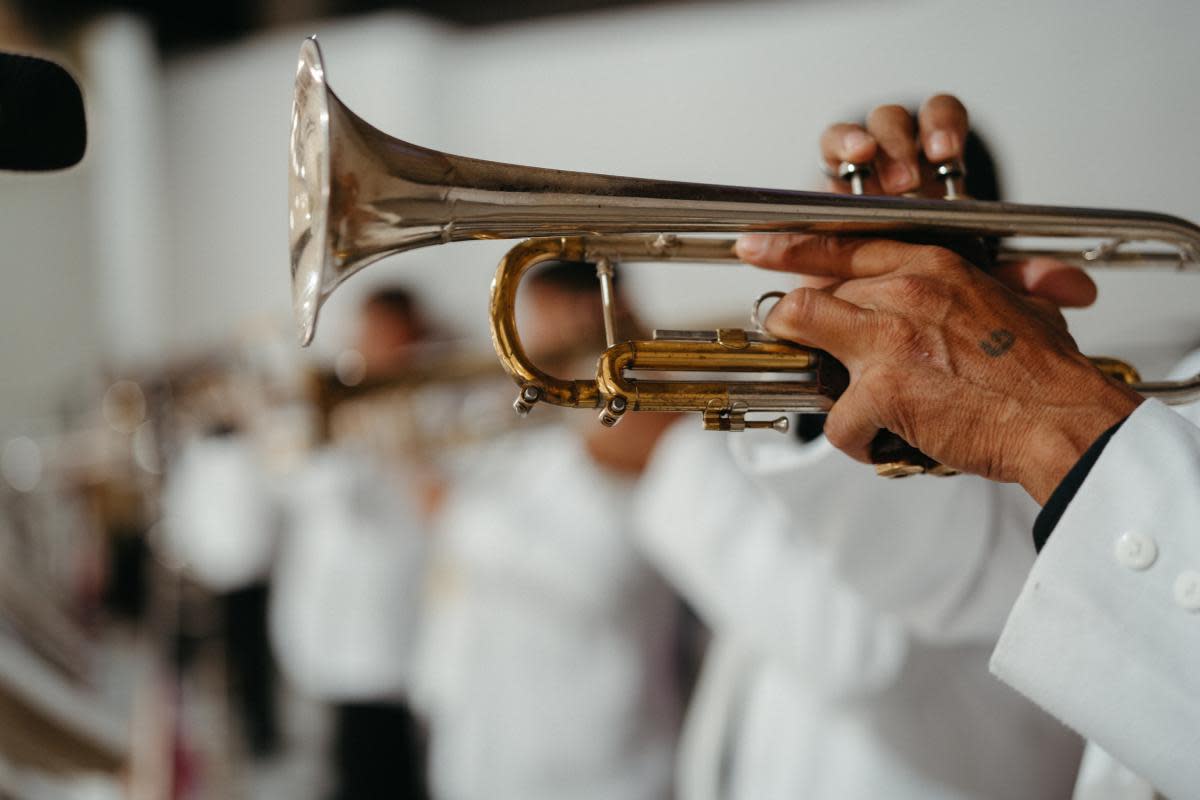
(351, 568)
(232, 568)
(549, 663)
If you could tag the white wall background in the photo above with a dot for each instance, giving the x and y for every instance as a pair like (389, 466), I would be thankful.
(1087, 102)
(48, 318)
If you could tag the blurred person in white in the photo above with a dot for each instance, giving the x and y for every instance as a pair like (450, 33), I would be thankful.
(345, 603)
(853, 617)
(548, 665)
(221, 522)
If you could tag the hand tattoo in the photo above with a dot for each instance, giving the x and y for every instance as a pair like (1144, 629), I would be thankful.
(999, 342)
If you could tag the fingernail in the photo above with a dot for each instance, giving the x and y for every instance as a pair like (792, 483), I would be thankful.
(942, 146)
(900, 177)
(751, 246)
(855, 141)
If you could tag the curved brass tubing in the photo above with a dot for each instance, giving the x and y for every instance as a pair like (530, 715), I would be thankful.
(535, 384)
(723, 403)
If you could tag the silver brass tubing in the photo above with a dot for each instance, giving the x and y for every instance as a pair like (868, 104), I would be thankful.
(358, 195)
(604, 271)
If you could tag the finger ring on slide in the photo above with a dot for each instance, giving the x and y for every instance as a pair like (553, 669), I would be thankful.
(756, 316)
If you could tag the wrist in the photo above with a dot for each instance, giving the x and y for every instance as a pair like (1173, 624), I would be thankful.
(1063, 432)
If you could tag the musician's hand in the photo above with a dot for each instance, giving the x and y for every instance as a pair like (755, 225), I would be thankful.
(944, 355)
(901, 151)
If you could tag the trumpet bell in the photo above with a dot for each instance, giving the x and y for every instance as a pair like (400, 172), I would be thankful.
(355, 193)
(308, 190)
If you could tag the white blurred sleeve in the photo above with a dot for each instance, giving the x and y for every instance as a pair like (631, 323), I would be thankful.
(727, 548)
(946, 556)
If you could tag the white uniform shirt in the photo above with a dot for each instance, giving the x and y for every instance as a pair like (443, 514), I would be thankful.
(348, 583)
(852, 621)
(220, 518)
(547, 670)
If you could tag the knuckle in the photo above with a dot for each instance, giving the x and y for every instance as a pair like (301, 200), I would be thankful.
(935, 261)
(781, 250)
(832, 249)
(843, 426)
(791, 308)
(907, 339)
(798, 303)
(790, 249)
(943, 260)
(836, 430)
(910, 289)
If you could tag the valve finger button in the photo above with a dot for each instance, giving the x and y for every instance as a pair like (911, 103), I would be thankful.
(854, 174)
(951, 173)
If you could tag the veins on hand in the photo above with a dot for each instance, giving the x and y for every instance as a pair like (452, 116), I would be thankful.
(999, 342)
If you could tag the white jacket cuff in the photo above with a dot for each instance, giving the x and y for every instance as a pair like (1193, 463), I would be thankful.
(1106, 631)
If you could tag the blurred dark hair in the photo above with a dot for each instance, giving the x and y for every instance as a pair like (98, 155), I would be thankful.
(403, 305)
(394, 300)
(569, 276)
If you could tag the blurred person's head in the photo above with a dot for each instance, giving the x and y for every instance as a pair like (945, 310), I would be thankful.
(564, 332)
(564, 327)
(390, 323)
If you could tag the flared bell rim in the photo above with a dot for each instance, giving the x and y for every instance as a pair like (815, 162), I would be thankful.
(308, 189)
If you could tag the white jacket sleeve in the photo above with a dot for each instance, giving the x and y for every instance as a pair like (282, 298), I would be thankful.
(1106, 632)
(729, 550)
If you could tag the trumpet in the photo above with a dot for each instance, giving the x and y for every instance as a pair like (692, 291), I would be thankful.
(439, 401)
(358, 195)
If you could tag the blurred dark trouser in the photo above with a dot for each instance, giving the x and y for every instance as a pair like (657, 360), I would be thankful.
(125, 592)
(251, 668)
(379, 752)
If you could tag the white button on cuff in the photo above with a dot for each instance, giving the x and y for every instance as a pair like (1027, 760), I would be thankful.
(1187, 590)
(1135, 550)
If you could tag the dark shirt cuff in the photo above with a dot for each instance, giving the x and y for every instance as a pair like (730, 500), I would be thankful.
(1064, 493)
